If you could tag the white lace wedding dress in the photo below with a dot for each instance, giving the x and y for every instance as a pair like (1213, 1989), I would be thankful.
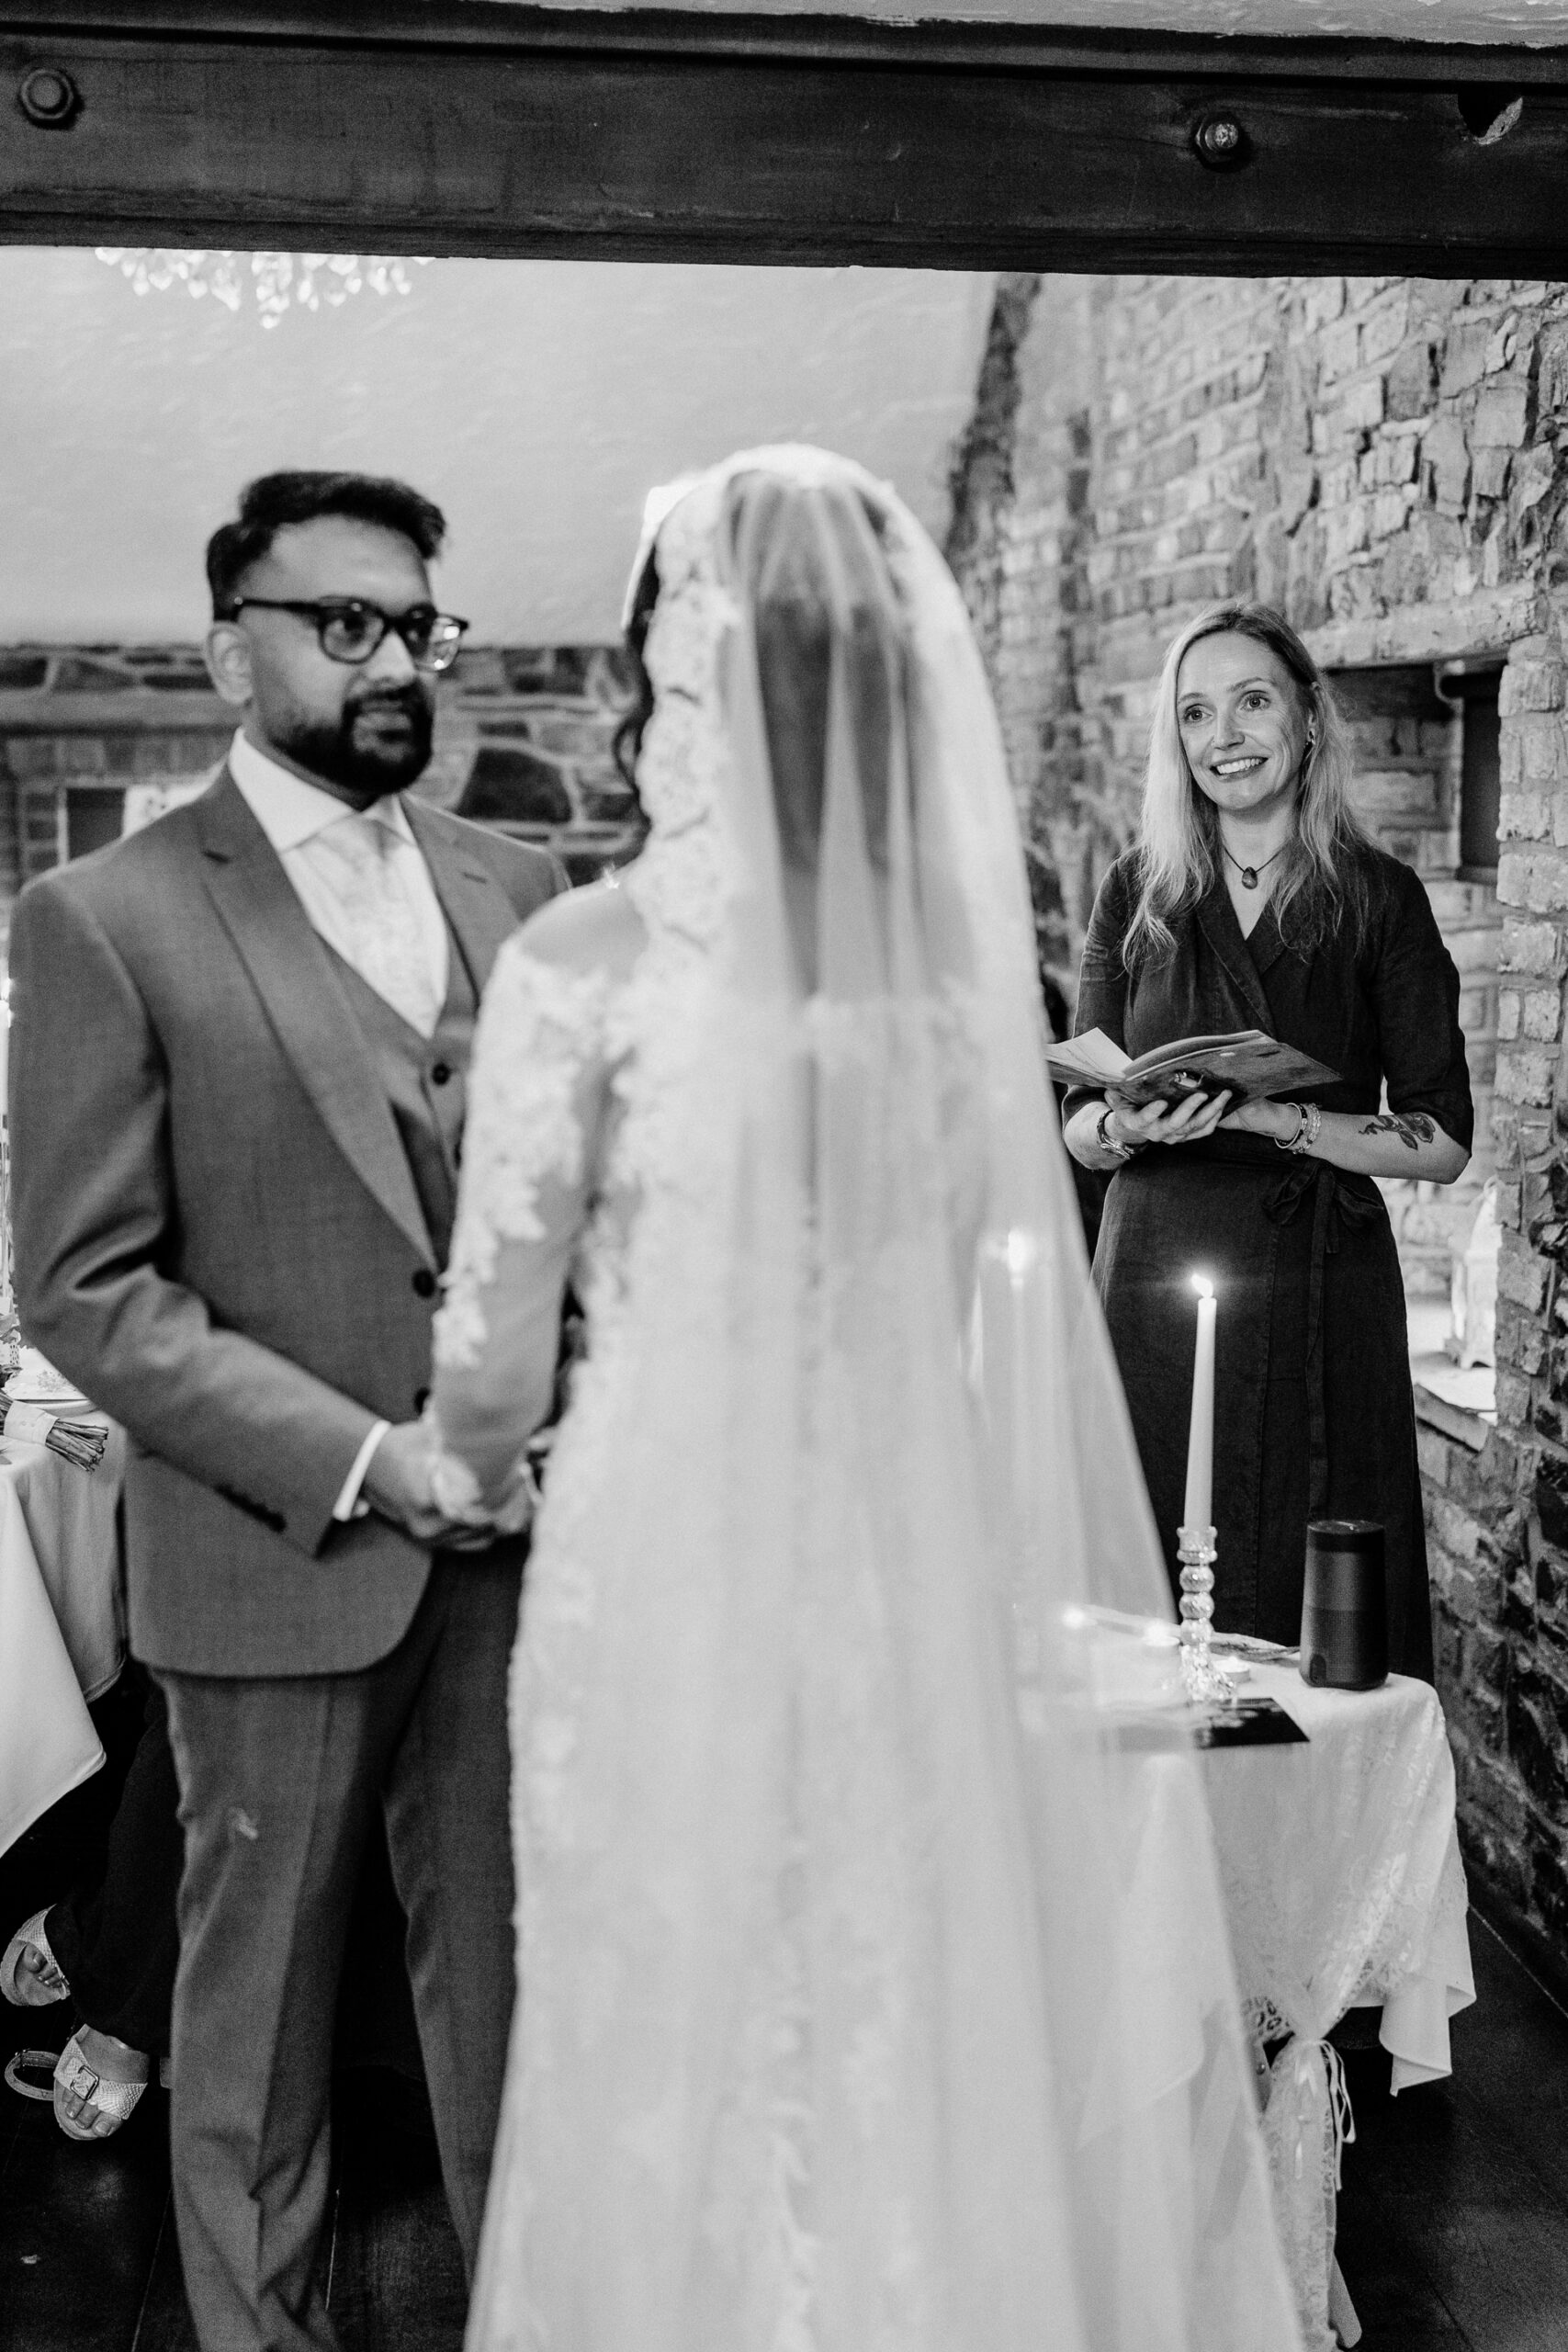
(841, 2024)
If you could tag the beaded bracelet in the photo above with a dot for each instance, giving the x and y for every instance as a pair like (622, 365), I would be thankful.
(1309, 1127)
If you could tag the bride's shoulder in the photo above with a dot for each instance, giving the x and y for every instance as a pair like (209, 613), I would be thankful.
(591, 934)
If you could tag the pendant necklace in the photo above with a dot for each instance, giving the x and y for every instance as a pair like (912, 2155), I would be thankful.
(1250, 873)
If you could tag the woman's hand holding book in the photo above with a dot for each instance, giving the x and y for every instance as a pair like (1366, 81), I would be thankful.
(1190, 1119)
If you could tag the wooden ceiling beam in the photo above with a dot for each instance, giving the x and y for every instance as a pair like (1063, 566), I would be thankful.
(499, 26)
(477, 129)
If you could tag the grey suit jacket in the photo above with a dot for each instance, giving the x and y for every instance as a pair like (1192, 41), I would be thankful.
(217, 1234)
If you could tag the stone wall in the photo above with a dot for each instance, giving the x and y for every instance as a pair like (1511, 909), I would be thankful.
(524, 740)
(1387, 459)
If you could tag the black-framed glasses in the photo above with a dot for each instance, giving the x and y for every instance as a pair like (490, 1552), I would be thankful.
(349, 630)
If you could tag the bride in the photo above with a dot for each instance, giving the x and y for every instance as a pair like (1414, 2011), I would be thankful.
(871, 1998)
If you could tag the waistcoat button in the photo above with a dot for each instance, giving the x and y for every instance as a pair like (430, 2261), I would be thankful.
(424, 1282)
(440, 1073)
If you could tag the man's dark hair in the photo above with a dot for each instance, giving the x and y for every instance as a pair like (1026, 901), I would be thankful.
(269, 504)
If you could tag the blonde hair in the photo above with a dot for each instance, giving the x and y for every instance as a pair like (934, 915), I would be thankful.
(1179, 838)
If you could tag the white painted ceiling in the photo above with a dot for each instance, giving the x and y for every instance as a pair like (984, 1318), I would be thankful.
(1522, 21)
(535, 402)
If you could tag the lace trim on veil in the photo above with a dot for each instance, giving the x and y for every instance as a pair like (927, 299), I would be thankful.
(680, 886)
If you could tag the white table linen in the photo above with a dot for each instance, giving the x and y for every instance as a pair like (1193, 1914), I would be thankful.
(61, 1624)
(1344, 1888)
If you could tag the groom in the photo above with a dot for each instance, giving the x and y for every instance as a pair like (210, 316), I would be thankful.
(237, 1084)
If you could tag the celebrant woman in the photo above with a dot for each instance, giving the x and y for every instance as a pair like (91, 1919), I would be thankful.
(1253, 899)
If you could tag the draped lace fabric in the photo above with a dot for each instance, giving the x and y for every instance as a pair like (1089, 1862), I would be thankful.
(847, 2022)
(1343, 1885)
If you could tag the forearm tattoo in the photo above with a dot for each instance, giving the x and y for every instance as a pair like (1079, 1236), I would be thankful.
(1415, 1129)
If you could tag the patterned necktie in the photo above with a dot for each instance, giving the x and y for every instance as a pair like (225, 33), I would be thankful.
(388, 951)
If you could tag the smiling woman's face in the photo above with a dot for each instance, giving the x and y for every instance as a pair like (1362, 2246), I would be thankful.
(1243, 724)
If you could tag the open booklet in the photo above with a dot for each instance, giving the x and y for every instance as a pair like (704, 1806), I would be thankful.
(1248, 1064)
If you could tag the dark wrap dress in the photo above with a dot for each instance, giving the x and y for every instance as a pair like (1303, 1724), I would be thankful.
(1312, 1407)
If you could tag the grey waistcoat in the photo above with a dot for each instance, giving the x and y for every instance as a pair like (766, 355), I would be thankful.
(426, 1081)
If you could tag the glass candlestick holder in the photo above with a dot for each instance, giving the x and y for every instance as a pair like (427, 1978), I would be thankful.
(1204, 1683)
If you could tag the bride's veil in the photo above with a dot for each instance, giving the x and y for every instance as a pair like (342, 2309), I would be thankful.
(874, 1999)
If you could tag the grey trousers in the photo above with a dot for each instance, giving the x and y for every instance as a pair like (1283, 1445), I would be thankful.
(279, 1779)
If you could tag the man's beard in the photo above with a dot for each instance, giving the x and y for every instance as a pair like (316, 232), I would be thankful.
(361, 758)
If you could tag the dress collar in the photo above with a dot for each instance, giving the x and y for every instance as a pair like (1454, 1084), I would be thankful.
(1244, 960)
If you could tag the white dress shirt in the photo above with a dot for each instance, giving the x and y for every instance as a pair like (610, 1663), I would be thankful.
(295, 816)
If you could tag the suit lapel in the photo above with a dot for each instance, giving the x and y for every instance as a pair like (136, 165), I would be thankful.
(311, 1016)
(474, 904)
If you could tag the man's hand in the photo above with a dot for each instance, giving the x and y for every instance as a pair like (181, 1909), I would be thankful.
(397, 1485)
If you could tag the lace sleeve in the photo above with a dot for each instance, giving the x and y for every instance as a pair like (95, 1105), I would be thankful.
(538, 1054)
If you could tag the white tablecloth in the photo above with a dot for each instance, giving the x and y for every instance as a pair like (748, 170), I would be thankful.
(61, 1624)
(1344, 1889)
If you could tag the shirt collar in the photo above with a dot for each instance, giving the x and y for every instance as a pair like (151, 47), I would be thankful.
(290, 811)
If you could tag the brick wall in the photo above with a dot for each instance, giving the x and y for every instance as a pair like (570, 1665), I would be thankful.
(524, 740)
(1387, 459)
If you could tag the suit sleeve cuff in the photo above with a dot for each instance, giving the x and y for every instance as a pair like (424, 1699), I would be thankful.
(348, 1504)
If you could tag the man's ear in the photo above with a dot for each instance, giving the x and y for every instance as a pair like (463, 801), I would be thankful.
(227, 651)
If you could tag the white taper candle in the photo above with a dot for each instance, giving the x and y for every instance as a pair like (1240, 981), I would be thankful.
(1196, 1509)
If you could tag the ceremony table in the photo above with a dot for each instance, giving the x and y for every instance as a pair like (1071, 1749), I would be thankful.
(62, 1622)
(1343, 1887)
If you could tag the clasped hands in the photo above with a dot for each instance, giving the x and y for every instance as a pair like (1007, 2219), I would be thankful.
(434, 1499)
(1192, 1118)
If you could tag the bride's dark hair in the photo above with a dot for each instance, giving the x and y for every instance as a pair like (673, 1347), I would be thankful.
(626, 743)
(821, 599)
(829, 646)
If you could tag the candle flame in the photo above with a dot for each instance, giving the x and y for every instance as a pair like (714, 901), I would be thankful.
(1203, 1286)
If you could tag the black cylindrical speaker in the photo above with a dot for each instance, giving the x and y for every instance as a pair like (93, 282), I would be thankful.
(1344, 1605)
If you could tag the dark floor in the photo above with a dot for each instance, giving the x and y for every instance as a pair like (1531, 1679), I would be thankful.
(88, 2261)
(1453, 2224)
